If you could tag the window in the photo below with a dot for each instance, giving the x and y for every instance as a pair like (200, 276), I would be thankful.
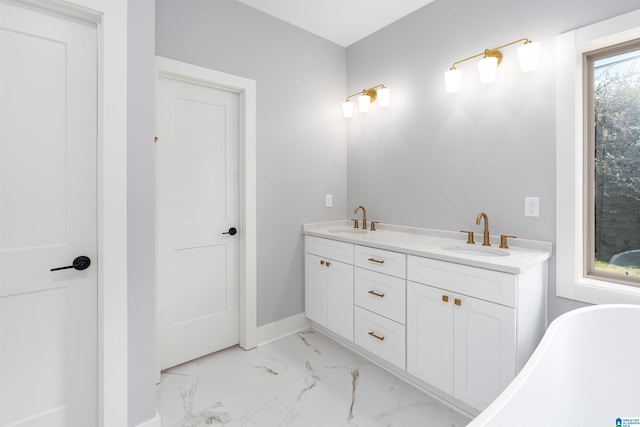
(598, 161)
(612, 159)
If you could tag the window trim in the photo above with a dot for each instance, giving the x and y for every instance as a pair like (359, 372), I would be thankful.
(571, 279)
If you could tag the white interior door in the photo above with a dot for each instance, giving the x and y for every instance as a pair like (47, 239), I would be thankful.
(48, 214)
(197, 200)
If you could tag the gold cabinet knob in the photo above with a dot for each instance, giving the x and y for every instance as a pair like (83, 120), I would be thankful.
(457, 301)
(327, 263)
(445, 298)
(321, 262)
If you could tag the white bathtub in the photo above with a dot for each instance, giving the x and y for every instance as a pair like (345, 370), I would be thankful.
(584, 372)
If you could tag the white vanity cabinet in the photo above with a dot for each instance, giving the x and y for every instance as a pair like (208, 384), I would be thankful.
(380, 295)
(329, 284)
(466, 333)
(459, 326)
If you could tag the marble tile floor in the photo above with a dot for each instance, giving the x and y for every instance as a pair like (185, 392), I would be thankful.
(303, 380)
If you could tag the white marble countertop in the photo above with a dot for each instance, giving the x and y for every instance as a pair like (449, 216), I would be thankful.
(522, 254)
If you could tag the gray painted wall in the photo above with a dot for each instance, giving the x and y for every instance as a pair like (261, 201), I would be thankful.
(301, 136)
(141, 211)
(435, 159)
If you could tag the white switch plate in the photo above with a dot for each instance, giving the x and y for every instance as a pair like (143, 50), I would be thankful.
(328, 200)
(531, 206)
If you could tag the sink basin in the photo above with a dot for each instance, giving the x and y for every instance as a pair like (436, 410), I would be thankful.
(348, 230)
(475, 250)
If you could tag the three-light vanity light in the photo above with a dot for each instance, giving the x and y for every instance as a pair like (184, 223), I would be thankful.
(528, 55)
(367, 97)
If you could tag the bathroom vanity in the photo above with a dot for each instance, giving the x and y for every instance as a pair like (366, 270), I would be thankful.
(455, 319)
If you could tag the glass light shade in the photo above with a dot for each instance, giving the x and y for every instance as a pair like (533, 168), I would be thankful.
(528, 56)
(347, 109)
(452, 79)
(363, 103)
(384, 97)
(488, 67)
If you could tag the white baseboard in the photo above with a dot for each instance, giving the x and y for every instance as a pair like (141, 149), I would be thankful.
(281, 328)
(153, 422)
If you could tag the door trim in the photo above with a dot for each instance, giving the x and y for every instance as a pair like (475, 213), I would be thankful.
(110, 18)
(246, 90)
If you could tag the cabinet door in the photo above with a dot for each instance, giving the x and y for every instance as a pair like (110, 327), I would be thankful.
(485, 350)
(315, 289)
(430, 335)
(328, 294)
(339, 300)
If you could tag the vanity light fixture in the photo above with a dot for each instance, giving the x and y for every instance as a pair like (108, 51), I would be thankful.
(528, 55)
(367, 97)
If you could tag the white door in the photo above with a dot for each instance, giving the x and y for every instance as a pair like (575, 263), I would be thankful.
(315, 291)
(340, 298)
(485, 350)
(197, 201)
(48, 214)
(430, 335)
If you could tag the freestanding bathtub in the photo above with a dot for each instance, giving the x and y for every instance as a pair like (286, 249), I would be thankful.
(585, 372)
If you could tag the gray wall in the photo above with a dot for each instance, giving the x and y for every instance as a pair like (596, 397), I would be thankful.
(435, 159)
(141, 211)
(301, 137)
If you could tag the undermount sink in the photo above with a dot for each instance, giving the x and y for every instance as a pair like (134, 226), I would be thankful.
(349, 230)
(467, 249)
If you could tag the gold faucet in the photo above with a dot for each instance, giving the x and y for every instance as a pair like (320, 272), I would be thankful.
(485, 236)
(364, 216)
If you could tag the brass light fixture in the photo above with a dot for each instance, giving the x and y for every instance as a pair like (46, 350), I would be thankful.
(367, 97)
(528, 55)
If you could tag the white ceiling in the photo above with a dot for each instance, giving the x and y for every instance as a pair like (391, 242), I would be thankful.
(341, 21)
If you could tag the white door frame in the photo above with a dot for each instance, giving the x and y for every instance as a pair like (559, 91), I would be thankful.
(110, 17)
(246, 90)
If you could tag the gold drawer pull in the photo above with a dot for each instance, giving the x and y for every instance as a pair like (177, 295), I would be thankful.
(445, 298)
(376, 294)
(457, 301)
(375, 336)
(376, 260)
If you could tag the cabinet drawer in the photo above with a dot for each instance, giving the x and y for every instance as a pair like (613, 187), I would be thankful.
(381, 336)
(488, 285)
(381, 294)
(327, 248)
(387, 262)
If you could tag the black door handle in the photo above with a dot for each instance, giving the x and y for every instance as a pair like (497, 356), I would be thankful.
(232, 231)
(80, 263)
